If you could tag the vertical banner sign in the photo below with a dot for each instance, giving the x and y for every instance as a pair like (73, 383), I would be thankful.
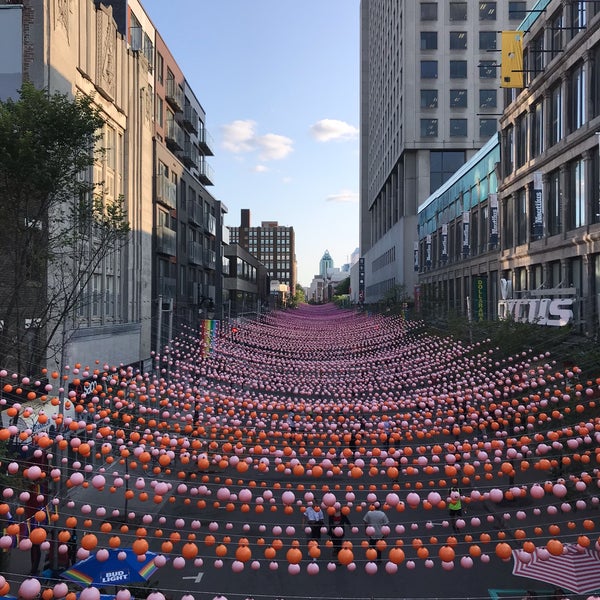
(511, 65)
(479, 295)
(466, 232)
(428, 251)
(209, 332)
(444, 245)
(493, 220)
(361, 280)
(416, 256)
(538, 205)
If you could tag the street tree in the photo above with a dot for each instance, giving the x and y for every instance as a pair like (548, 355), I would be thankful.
(57, 223)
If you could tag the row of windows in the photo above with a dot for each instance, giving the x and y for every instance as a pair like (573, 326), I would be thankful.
(458, 128)
(488, 11)
(488, 98)
(487, 69)
(458, 40)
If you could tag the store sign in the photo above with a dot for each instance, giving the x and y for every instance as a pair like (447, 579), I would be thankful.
(544, 310)
(494, 219)
(416, 256)
(428, 251)
(466, 233)
(480, 297)
(538, 206)
(112, 577)
(444, 244)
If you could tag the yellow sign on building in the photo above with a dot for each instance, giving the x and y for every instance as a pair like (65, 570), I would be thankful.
(511, 68)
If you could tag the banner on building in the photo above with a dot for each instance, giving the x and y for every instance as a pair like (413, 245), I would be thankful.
(479, 293)
(361, 280)
(416, 256)
(511, 67)
(444, 243)
(493, 220)
(538, 205)
(428, 251)
(209, 331)
(466, 233)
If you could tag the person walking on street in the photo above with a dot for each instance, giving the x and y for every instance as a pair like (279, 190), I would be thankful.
(313, 518)
(454, 507)
(374, 522)
(337, 528)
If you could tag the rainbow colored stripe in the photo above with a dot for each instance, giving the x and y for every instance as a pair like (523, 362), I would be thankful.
(147, 570)
(208, 332)
(78, 576)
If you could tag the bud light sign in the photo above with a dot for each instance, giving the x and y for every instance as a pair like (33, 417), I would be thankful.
(112, 577)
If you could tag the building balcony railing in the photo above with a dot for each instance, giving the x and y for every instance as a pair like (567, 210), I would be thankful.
(205, 141)
(167, 286)
(189, 156)
(195, 253)
(166, 241)
(225, 266)
(174, 136)
(205, 172)
(166, 192)
(195, 213)
(210, 259)
(210, 224)
(174, 95)
(189, 120)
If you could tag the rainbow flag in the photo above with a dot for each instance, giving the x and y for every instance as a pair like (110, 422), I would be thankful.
(209, 330)
(147, 570)
(80, 577)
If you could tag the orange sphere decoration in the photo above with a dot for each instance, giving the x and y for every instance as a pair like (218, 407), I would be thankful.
(221, 550)
(189, 550)
(140, 546)
(345, 556)
(446, 553)
(243, 554)
(89, 541)
(555, 547)
(503, 550)
(294, 556)
(38, 535)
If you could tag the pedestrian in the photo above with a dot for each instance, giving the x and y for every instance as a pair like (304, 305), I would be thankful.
(374, 521)
(291, 423)
(313, 518)
(72, 546)
(454, 507)
(337, 528)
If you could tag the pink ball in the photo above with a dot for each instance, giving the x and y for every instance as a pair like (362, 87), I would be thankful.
(371, 568)
(29, 589)
(237, 566)
(178, 562)
(90, 593)
(123, 595)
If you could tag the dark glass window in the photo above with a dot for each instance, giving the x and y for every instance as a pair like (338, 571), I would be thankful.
(429, 98)
(458, 40)
(458, 127)
(429, 69)
(429, 11)
(458, 11)
(488, 40)
(487, 69)
(429, 40)
(487, 128)
(458, 69)
(553, 206)
(429, 127)
(517, 10)
(537, 129)
(442, 165)
(488, 98)
(556, 38)
(487, 11)
(458, 98)
(577, 97)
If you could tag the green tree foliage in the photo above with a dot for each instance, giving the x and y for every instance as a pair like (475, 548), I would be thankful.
(57, 224)
(343, 287)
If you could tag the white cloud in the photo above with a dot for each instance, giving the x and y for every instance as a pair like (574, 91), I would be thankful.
(274, 146)
(327, 130)
(240, 136)
(260, 169)
(287, 180)
(343, 196)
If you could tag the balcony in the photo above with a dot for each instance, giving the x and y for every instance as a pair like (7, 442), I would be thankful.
(225, 266)
(174, 95)
(210, 224)
(205, 173)
(166, 241)
(210, 259)
(167, 286)
(189, 156)
(195, 214)
(205, 141)
(166, 192)
(190, 119)
(194, 292)
(195, 253)
(174, 136)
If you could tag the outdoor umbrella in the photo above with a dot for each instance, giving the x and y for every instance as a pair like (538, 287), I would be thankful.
(577, 569)
(121, 567)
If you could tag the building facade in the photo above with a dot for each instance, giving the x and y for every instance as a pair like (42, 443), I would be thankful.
(157, 148)
(273, 245)
(429, 101)
(530, 247)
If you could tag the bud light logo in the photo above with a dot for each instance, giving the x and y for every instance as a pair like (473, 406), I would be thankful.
(115, 576)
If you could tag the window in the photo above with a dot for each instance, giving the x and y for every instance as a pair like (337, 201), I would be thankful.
(429, 127)
(595, 185)
(521, 211)
(521, 140)
(458, 40)
(458, 98)
(537, 58)
(160, 67)
(487, 11)
(517, 10)
(576, 204)
(537, 129)
(487, 40)
(458, 127)
(595, 81)
(487, 128)
(442, 165)
(429, 98)
(488, 98)
(509, 150)
(428, 40)
(556, 37)
(507, 222)
(429, 11)
(429, 69)
(458, 11)
(577, 96)
(458, 69)
(555, 132)
(487, 69)
(160, 111)
(578, 16)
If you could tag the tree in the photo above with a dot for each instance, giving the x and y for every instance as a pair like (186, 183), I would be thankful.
(343, 287)
(57, 224)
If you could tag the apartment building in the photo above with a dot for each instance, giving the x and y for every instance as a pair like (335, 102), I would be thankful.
(429, 101)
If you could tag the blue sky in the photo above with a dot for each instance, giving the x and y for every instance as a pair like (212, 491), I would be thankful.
(279, 81)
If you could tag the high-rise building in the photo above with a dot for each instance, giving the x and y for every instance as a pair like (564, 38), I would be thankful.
(430, 99)
(272, 244)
